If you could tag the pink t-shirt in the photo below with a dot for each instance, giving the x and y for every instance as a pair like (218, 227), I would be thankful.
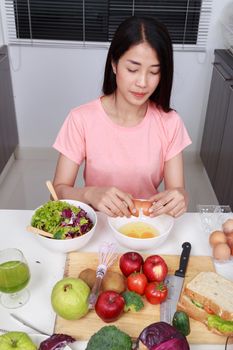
(129, 158)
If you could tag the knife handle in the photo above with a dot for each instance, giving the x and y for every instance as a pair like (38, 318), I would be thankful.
(184, 258)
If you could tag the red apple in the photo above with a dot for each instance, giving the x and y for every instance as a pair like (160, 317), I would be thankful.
(109, 306)
(130, 262)
(155, 268)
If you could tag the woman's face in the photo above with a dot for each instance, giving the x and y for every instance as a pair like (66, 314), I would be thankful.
(137, 74)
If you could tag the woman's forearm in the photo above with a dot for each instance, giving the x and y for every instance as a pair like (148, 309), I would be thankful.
(76, 193)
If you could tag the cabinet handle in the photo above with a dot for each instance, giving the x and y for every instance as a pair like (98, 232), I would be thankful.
(222, 71)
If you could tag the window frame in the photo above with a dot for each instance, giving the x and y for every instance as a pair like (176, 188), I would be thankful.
(202, 33)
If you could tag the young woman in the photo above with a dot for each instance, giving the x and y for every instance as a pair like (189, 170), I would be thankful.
(130, 139)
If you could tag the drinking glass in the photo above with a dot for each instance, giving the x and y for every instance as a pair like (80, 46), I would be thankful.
(213, 216)
(14, 277)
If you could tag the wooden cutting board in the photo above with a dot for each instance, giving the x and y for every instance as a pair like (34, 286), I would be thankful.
(133, 323)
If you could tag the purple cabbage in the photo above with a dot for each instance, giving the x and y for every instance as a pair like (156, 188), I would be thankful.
(56, 342)
(162, 336)
(172, 344)
(73, 224)
(66, 213)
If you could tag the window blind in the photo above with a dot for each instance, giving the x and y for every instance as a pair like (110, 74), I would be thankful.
(93, 22)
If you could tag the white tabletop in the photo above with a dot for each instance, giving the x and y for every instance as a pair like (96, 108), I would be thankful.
(47, 267)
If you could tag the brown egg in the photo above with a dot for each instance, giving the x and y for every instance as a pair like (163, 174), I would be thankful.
(217, 237)
(228, 226)
(221, 251)
(144, 205)
(230, 239)
(137, 205)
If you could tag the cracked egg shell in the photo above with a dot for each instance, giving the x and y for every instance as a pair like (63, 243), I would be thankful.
(144, 205)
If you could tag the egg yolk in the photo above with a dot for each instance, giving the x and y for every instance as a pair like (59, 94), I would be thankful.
(139, 230)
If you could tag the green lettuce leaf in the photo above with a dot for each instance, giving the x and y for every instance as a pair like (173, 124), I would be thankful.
(218, 323)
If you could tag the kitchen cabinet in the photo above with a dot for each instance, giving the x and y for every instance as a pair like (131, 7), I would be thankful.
(8, 125)
(224, 174)
(217, 141)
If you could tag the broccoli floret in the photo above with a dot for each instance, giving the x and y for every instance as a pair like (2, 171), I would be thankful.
(109, 338)
(133, 301)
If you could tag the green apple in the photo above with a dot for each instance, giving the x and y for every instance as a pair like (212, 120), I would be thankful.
(69, 298)
(16, 341)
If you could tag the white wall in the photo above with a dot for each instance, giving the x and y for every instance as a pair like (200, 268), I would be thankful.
(48, 82)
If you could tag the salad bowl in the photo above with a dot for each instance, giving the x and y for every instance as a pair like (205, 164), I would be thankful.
(69, 242)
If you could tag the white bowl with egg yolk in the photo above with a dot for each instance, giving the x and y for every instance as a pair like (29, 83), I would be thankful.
(161, 224)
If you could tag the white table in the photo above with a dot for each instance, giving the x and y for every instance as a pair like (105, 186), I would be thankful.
(47, 267)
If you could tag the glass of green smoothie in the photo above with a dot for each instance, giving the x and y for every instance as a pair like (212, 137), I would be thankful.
(14, 277)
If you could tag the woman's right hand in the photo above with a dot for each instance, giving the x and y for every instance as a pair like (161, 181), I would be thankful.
(110, 200)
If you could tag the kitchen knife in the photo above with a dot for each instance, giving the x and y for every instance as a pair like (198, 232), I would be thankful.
(175, 284)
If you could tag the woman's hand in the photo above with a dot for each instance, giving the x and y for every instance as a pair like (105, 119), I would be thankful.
(173, 202)
(110, 200)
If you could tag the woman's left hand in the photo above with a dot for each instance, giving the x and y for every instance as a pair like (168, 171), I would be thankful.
(173, 202)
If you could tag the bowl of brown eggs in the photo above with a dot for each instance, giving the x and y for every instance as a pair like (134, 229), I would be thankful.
(217, 223)
(221, 241)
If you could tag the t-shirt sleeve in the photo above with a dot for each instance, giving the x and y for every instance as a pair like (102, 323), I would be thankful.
(177, 135)
(70, 140)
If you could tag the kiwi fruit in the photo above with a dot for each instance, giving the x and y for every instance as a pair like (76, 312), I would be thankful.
(112, 280)
(88, 276)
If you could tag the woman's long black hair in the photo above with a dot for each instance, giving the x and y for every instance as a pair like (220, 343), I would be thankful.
(135, 30)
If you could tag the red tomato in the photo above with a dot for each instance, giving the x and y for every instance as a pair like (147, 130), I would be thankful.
(137, 282)
(156, 292)
(208, 310)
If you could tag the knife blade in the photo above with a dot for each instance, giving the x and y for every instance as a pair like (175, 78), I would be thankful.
(174, 284)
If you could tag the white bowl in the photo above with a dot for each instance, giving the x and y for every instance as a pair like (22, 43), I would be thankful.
(73, 244)
(162, 223)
